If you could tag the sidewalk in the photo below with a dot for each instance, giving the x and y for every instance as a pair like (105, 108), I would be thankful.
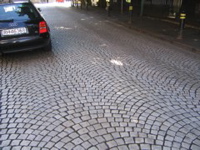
(164, 29)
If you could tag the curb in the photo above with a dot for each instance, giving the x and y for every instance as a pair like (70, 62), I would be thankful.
(158, 36)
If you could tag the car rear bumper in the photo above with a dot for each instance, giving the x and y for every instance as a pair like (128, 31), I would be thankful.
(23, 44)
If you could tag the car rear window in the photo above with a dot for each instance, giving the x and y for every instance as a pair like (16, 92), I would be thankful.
(24, 11)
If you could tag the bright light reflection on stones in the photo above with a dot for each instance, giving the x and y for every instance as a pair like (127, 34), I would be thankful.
(65, 28)
(116, 62)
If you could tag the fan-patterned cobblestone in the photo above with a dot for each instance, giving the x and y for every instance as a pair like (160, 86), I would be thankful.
(101, 87)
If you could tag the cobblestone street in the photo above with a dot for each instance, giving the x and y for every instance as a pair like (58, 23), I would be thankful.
(103, 86)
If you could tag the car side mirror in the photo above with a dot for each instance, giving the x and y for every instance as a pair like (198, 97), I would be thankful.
(39, 10)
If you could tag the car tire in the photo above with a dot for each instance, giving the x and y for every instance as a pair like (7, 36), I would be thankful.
(48, 47)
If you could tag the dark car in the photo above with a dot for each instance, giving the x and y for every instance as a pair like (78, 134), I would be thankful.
(22, 27)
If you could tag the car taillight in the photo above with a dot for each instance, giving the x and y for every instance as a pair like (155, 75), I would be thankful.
(43, 27)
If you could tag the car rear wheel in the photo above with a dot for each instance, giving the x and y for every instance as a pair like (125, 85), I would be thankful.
(48, 47)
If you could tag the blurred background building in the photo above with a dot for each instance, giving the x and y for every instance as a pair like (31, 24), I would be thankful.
(170, 9)
(158, 8)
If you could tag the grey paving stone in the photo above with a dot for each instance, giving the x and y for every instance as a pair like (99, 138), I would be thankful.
(83, 131)
(120, 129)
(69, 146)
(129, 140)
(94, 91)
(4, 137)
(77, 127)
(102, 146)
(166, 148)
(111, 130)
(59, 145)
(85, 137)
(93, 134)
(25, 143)
(114, 148)
(157, 147)
(84, 118)
(168, 143)
(139, 140)
(55, 139)
(78, 148)
(123, 147)
(35, 148)
(93, 142)
(102, 120)
(195, 147)
(73, 135)
(77, 141)
(145, 146)
(111, 143)
(134, 146)
(34, 143)
(86, 145)
(17, 147)
(100, 139)
(108, 137)
(119, 141)
(93, 148)
(84, 124)
(42, 144)
(105, 125)
(185, 145)
(6, 148)
(124, 134)
(97, 126)
(31, 137)
(15, 142)
(101, 131)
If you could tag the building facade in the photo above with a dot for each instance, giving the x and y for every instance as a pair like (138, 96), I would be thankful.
(159, 8)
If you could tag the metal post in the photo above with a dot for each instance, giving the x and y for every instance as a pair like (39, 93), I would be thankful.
(87, 4)
(72, 3)
(131, 13)
(122, 6)
(108, 8)
(182, 24)
(130, 9)
(142, 8)
(182, 20)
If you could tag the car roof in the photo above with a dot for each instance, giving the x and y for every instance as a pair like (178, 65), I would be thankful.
(14, 1)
